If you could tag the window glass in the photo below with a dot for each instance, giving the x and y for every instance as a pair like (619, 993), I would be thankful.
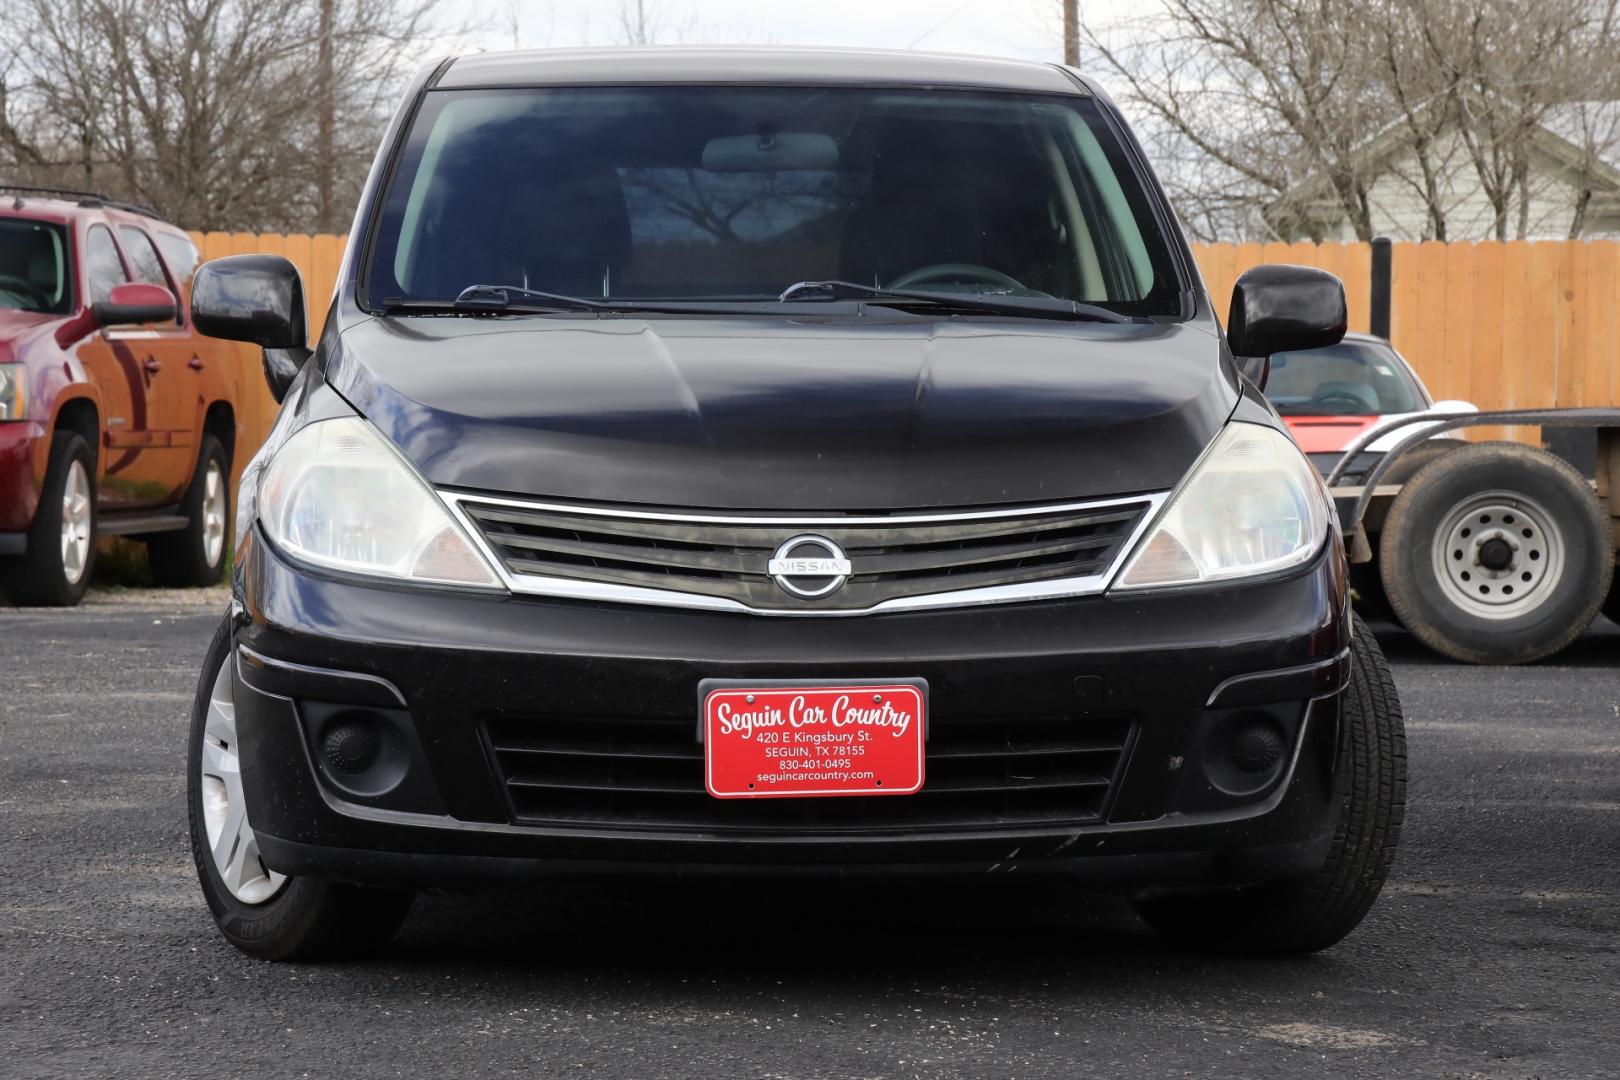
(1352, 378)
(143, 257)
(182, 257)
(33, 267)
(677, 192)
(101, 260)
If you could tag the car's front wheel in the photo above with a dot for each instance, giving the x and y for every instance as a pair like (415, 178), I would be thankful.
(1302, 915)
(259, 910)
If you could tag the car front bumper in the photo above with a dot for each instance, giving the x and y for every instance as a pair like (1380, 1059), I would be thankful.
(19, 484)
(1169, 673)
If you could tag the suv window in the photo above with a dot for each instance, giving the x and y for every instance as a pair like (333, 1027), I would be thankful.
(34, 267)
(101, 259)
(676, 192)
(182, 257)
(144, 258)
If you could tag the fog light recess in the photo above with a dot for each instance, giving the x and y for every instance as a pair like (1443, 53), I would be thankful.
(361, 752)
(1256, 747)
(351, 746)
(1247, 753)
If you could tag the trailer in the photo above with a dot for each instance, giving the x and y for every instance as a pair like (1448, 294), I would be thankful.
(1488, 552)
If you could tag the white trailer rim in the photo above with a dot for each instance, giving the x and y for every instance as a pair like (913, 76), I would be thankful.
(1498, 555)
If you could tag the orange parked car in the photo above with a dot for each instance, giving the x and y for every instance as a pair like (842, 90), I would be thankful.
(116, 416)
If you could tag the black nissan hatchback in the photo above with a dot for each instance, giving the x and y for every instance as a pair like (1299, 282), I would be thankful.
(771, 460)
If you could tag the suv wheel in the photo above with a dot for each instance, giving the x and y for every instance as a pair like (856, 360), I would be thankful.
(259, 910)
(195, 555)
(1303, 915)
(55, 572)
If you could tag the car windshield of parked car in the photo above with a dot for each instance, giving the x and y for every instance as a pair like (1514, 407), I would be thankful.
(33, 266)
(1352, 378)
(735, 194)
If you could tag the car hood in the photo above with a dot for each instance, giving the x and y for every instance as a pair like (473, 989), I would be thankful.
(770, 413)
(18, 327)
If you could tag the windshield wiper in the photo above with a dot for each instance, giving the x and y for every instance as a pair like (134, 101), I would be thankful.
(494, 300)
(1040, 307)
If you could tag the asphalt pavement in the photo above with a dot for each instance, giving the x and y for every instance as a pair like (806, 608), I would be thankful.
(1495, 951)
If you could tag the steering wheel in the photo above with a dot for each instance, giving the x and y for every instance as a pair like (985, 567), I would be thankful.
(957, 274)
(26, 289)
(1344, 398)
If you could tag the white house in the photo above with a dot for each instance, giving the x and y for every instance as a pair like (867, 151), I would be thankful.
(1576, 151)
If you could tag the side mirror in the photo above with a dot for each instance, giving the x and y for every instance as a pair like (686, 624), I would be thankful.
(135, 303)
(258, 299)
(1283, 308)
(281, 367)
(254, 298)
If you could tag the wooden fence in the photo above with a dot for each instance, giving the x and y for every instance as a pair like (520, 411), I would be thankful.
(1503, 325)
(1500, 324)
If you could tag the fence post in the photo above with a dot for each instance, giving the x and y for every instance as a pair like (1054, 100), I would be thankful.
(1382, 275)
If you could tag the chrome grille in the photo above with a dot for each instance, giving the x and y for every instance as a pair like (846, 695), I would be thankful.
(894, 561)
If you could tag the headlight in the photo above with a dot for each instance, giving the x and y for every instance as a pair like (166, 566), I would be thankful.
(338, 495)
(13, 401)
(1252, 505)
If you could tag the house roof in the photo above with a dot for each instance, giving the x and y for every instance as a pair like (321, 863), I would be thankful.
(1562, 136)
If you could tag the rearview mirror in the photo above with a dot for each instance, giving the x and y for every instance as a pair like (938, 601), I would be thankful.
(135, 303)
(1282, 308)
(254, 298)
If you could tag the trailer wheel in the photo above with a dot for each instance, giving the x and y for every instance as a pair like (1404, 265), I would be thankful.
(1496, 553)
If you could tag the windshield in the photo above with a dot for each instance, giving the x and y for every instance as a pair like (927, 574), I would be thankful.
(1352, 378)
(33, 266)
(699, 193)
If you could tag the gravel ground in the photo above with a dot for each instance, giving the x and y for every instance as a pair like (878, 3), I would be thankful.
(1495, 951)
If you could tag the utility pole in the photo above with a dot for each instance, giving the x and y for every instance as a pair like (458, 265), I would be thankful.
(325, 143)
(1071, 32)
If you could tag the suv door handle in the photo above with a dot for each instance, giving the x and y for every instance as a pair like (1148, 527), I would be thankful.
(152, 365)
(195, 364)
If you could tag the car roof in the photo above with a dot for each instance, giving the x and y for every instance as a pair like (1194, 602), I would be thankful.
(60, 211)
(744, 65)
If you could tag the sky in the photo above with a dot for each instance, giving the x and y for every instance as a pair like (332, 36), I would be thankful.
(1028, 29)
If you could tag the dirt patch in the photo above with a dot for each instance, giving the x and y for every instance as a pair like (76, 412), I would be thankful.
(1326, 1037)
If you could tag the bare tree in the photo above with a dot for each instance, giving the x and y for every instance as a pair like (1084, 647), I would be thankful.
(1293, 115)
(220, 113)
(649, 22)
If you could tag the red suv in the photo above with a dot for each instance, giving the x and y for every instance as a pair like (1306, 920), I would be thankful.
(116, 416)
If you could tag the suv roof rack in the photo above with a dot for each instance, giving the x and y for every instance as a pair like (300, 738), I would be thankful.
(85, 198)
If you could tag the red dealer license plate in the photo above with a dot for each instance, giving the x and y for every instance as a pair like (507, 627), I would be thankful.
(762, 742)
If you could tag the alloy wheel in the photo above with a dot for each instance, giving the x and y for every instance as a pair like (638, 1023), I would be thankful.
(213, 511)
(76, 523)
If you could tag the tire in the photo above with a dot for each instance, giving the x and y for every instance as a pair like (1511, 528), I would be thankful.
(55, 571)
(1611, 605)
(1551, 567)
(1412, 461)
(195, 555)
(1303, 915)
(261, 912)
